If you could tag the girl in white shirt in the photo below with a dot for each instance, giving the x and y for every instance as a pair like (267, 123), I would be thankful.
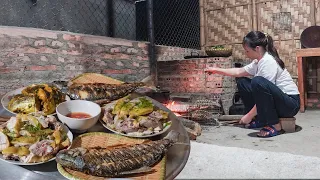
(271, 93)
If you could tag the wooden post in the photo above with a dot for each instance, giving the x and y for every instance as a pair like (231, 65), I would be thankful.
(255, 16)
(313, 12)
(301, 83)
(205, 21)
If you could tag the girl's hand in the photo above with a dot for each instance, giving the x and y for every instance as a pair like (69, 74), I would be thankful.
(246, 119)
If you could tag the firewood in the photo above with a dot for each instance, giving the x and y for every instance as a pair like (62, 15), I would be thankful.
(230, 117)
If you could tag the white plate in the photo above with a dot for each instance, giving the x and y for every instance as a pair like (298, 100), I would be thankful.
(7, 97)
(136, 136)
(70, 136)
(154, 102)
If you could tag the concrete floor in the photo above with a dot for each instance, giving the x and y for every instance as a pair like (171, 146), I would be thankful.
(235, 152)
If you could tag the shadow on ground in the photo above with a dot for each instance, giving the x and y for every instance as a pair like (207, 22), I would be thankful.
(254, 134)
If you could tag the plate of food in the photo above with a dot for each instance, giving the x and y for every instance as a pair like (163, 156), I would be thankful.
(34, 98)
(99, 155)
(31, 139)
(135, 117)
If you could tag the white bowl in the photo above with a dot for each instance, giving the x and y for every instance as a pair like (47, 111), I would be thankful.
(78, 125)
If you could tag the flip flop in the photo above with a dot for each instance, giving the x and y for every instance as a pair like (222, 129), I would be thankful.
(271, 131)
(254, 124)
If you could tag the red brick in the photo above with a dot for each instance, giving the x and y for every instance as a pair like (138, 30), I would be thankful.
(142, 45)
(69, 37)
(122, 56)
(201, 66)
(214, 90)
(8, 70)
(57, 43)
(115, 50)
(197, 78)
(213, 84)
(116, 71)
(132, 51)
(309, 104)
(119, 63)
(312, 100)
(107, 56)
(42, 68)
(192, 66)
(135, 64)
(71, 45)
(72, 52)
(200, 72)
(214, 78)
(60, 59)
(43, 50)
(40, 43)
(116, 56)
(43, 58)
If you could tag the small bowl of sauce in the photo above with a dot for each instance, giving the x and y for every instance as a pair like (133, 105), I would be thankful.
(78, 115)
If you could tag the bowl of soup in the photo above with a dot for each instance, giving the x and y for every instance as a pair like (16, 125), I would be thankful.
(78, 115)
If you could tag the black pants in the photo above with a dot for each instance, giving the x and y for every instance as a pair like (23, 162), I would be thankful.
(270, 101)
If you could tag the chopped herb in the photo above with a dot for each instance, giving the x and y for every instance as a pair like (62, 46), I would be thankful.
(5, 131)
(64, 136)
(144, 103)
(166, 124)
(32, 129)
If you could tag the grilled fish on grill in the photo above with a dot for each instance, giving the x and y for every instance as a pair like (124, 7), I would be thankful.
(101, 93)
(117, 161)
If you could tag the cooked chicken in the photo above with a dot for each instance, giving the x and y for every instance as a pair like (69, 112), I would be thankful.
(4, 141)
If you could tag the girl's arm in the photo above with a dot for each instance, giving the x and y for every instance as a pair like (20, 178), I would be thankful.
(235, 72)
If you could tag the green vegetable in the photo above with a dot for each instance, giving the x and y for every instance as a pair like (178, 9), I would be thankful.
(144, 103)
(218, 47)
(32, 128)
(166, 124)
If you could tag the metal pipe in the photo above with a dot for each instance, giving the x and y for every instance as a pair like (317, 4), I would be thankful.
(110, 8)
(151, 45)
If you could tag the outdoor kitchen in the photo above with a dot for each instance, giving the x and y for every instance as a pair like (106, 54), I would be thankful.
(163, 85)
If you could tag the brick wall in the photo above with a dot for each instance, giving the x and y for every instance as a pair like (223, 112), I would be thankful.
(188, 77)
(29, 55)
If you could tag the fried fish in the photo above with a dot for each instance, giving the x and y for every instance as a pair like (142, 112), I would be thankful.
(101, 93)
(117, 161)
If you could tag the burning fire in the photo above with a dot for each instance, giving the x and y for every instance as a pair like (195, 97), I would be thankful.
(177, 107)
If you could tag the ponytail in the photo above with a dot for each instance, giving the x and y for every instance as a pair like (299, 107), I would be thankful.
(273, 51)
(257, 38)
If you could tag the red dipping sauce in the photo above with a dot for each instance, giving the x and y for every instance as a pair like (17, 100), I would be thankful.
(78, 115)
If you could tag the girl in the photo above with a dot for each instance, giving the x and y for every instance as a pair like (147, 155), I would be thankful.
(271, 93)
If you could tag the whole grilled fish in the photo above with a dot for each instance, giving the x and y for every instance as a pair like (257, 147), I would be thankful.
(117, 161)
(99, 92)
